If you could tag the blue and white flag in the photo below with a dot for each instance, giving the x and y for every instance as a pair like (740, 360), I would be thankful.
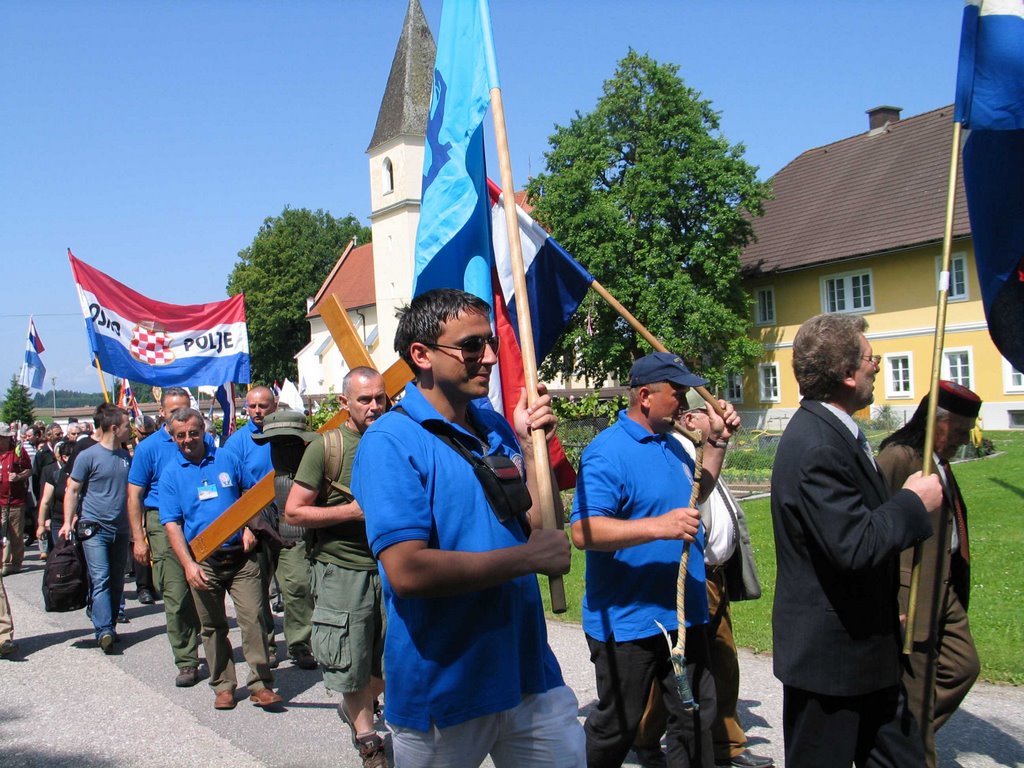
(453, 241)
(33, 372)
(990, 108)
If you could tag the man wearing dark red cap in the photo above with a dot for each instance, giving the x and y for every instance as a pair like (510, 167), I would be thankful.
(946, 637)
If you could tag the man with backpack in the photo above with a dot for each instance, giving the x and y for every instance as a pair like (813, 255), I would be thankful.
(348, 613)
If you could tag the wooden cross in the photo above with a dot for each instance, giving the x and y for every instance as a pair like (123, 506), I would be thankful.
(256, 498)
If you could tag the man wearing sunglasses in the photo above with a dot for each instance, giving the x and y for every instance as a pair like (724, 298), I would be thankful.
(469, 670)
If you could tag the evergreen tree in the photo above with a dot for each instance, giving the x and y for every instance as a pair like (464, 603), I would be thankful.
(17, 404)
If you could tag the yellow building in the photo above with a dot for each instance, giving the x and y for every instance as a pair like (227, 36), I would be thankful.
(856, 226)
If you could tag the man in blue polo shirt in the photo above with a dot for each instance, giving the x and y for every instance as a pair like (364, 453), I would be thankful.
(469, 670)
(632, 513)
(149, 539)
(250, 459)
(194, 491)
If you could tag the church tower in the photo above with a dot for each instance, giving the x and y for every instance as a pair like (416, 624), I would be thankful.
(396, 173)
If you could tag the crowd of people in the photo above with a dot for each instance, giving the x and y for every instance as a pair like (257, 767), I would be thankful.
(406, 544)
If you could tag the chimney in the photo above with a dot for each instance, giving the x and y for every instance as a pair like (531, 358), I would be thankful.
(879, 117)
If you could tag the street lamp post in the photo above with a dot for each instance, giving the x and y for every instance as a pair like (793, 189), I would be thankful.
(53, 382)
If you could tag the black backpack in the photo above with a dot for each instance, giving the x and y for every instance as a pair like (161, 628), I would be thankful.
(65, 579)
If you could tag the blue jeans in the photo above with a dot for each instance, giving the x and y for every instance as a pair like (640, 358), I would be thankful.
(106, 554)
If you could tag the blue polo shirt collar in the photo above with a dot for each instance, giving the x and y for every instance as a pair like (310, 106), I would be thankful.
(637, 431)
(419, 408)
(206, 460)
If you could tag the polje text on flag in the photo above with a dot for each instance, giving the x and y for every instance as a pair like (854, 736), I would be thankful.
(990, 109)
(33, 372)
(161, 344)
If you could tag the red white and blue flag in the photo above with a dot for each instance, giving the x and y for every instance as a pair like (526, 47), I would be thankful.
(127, 401)
(990, 109)
(462, 240)
(135, 337)
(33, 372)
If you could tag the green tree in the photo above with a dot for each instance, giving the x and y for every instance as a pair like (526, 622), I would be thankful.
(648, 195)
(287, 262)
(17, 404)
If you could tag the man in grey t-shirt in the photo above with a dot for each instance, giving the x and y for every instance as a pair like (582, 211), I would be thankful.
(99, 479)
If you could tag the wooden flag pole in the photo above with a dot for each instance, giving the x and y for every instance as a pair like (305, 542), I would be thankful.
(103, 383)
(542, 462)
(650, 338)
(929, 434)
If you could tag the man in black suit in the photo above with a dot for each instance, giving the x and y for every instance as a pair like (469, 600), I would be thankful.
(838, 535)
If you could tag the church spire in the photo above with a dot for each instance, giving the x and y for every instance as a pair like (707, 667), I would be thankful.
(406, 103)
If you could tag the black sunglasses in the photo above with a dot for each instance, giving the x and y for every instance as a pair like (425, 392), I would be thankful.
(471, 348)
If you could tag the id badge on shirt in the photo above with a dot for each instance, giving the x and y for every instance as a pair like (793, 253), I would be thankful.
(207, 491)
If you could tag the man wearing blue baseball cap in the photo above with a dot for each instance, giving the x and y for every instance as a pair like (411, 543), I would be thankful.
(631, 513)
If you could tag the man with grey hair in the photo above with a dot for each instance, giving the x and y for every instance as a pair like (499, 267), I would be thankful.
(149, 538)
(838, 535)
(196, 489)
(345, 578)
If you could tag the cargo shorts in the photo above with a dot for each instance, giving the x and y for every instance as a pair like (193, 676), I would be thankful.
(349, 624)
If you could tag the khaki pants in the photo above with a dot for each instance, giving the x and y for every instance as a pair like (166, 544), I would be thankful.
(292, 568)
(12, 524)
(956, 668)
(242, 582)
(726, 731)
(6, 622)
(179, 605)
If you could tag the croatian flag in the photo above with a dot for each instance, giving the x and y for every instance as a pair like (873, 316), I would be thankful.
(128, 402)
(135, 337)
(33, 372)
(990, 108)
(555, 285)
(461, 209)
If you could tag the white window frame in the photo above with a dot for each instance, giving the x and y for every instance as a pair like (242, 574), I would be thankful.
(777, 397)
(387, 176)
(961, 258)
(946, 372)
(847, 279)
(734, 380)
(766, 320)
(1011, 387)
(887, 370)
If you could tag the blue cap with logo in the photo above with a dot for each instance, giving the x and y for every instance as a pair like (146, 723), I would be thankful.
(663, 366)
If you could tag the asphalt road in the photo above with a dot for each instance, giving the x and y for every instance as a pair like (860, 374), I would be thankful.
(63, 702)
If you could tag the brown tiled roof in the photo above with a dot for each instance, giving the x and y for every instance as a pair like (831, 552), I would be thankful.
(875, 192)
(351, 280)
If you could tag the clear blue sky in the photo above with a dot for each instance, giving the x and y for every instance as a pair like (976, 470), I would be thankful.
(153, 138)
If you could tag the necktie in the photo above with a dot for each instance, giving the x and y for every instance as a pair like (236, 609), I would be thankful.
(959, 517)
(862, 440)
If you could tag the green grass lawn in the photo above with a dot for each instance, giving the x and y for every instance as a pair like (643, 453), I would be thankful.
(994, 491)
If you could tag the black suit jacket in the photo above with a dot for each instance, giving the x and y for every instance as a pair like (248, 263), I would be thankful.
(838, 536)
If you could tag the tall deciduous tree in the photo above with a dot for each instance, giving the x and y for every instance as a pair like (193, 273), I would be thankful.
(287, 262)
(655, 202)
(17, 404)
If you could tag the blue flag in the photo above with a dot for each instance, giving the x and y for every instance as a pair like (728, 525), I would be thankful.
(990, 108)
(33, 372)
(453, 241)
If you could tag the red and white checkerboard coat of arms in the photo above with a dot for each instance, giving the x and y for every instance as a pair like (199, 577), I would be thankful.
(151, 346)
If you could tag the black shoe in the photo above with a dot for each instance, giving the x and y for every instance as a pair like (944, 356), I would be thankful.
(186, 677)
(650, 757)
(122, 618)
(746, 759)
(303, 658)
(145, 597)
